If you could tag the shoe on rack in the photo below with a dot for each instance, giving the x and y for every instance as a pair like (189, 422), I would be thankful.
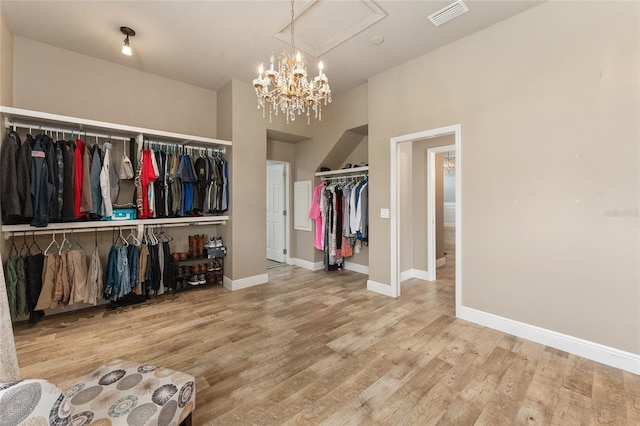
(202, 279)
(192, 246)
(217, 266)
(210, 267)
(194, 280)
(219, 242)
(211, 278)
(211, 243)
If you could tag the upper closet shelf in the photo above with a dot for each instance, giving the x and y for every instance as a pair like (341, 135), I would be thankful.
(28, 118)
(106, 225)
(344, 171)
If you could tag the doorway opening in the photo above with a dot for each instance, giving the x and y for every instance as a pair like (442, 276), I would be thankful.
(277, 190)
(399, 149)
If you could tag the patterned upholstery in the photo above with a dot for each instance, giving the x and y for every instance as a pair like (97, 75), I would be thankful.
(117, 393)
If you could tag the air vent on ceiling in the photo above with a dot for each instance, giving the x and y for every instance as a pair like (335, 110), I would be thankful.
(448, 13)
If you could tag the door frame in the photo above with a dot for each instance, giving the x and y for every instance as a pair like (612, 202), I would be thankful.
(431, 208)
(287, 233)
(394, 216)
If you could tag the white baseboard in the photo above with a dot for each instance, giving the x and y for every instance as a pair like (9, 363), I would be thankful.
(441, 262)
(245, 282)
(312, 266)
(414, 273)
(355, 267)
(380, 288)
(594, 351)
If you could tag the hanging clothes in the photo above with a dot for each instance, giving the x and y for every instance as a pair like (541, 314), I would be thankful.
(41, 188)
(49, 270)
(53, 181)
(117, 282)
(11, 278)
(68, 190)
(33, 265)
(59, 178)
(94, 177)
(105, 182)
(315, 213)
(340, 210)
(77, 269)
(62, 286)
(86, 201)
(21, 289)
(15, 187)
(78, 153)
(94, 279)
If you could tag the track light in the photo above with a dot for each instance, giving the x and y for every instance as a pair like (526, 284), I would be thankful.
(126, 48)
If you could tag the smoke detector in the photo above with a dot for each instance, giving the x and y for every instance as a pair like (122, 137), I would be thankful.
(448, 13)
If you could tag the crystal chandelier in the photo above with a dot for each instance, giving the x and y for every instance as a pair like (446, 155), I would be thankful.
(449, 164)
(288, 89)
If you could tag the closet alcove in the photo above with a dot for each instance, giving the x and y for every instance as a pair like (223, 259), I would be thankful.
(103, 233)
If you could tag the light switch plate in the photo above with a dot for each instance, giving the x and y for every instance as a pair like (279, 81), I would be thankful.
(384, 213)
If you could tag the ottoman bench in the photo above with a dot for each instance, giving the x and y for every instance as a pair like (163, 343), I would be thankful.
(117, 393)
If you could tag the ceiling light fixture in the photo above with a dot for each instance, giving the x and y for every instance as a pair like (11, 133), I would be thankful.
(288, 89)
(126, 48)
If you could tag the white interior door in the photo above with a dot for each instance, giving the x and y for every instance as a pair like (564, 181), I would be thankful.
(276, 212)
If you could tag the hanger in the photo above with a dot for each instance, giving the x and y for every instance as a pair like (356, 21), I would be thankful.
(33, 242)
(65, 243)
(24, 244)
(136, 242)
(13, 246)
(53, 241)
(121, 239)
(73, 239)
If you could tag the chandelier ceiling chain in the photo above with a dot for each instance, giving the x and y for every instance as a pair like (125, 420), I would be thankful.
(288, 88)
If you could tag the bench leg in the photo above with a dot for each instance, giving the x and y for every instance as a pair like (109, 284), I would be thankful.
(187, 421)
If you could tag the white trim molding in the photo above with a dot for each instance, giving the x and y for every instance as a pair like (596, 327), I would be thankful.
(241, 283)
(312, 266)
(383, 289)
(594, 351)
(414, 273)
(456, 130)
(356, 267)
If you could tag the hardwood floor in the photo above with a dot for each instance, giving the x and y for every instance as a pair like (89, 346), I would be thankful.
(318, 348)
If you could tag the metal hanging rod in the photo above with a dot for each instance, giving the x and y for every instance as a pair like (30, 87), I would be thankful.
(184, 146)
(344, 177)
(17, 124)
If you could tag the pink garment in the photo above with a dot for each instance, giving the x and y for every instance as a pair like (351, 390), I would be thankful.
(316, 214)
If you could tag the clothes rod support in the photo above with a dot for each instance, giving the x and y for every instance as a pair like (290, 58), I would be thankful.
(15, 124)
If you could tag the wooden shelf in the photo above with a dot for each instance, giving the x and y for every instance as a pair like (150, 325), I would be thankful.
(343, 171)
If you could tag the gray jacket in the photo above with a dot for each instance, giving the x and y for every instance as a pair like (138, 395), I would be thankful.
(15, 196)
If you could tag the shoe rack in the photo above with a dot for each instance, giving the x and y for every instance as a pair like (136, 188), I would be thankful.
(203, 264)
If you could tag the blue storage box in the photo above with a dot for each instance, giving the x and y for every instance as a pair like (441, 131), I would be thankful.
(123, 214)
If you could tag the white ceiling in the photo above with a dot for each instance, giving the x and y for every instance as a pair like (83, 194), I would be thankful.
(207, 43)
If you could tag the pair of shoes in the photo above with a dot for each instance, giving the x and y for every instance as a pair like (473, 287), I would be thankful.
(194, 280)
(198, 268)
(216, 266)
(214, 242)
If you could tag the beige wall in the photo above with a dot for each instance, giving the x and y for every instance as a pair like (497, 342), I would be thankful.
(542, 99)
(348, 111)
(59, 81)
(359, 153)
(6, 62)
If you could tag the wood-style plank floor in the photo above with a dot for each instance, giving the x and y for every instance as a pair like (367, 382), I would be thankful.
(318, 348)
